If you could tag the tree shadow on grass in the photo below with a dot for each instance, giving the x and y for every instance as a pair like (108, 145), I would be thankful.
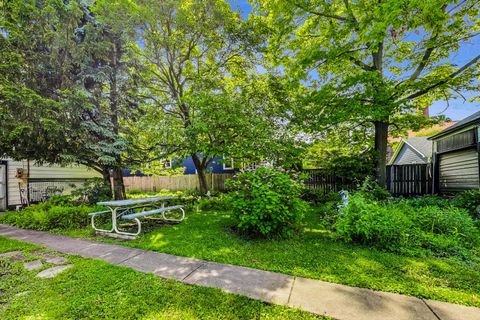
(94, 290)
(316, 254)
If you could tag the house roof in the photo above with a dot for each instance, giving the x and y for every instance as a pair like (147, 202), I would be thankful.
(422, 145)
(472, 119)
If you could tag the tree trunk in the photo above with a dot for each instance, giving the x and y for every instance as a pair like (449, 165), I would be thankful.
(118, 186)
(381, 136)
(201, 168)
(106, 179)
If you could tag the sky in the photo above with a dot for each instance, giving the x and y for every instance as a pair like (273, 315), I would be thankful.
(456, 110)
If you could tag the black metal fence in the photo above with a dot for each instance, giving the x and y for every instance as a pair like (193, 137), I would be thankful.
(409, 179)
(42, 189)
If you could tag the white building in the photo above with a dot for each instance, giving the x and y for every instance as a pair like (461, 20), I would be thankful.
(34, 179)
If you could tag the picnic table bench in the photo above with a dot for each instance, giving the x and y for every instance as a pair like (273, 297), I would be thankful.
(133, 209)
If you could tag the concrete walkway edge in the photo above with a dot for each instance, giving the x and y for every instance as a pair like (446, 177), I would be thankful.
(324, 298)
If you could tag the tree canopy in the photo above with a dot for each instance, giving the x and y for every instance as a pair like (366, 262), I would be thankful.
(202, 94)
(118, 84)
(369, 61)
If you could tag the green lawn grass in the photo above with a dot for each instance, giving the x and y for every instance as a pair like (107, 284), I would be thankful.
(94, 289)
(313, 254)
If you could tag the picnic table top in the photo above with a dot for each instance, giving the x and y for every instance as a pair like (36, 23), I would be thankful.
(131, 202)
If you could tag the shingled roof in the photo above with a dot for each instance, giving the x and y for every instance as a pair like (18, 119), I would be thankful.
(421, 144)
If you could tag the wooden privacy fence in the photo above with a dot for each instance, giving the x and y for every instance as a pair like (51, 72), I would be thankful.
(402, 180)
(175, 183)
(327, 182)
(409, 179)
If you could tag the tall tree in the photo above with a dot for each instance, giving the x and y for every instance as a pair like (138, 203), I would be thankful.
(380, 62)
(68, 91)
(106, 83)
(198, 66)
(36, 44)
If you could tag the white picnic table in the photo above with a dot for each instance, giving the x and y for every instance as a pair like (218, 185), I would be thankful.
(133, 209)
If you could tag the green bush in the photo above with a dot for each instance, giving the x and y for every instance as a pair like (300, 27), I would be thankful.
(318, 196)
(92, 191)
(406, 226)
(424, 201)
(219, 203)
(266, 203)
(135, 191)
(50, 216)
(469, 200)
(328, 212)
(366, 221)
(371, 189)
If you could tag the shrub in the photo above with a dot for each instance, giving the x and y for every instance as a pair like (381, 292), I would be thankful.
(92, 191)
(318, 196)
(50, 216)
(408, 226)
(266, 202)
(219, 203)
(367, 222)
(469, 200)
(135, 191)
(328, 212)
(424, 201)
(371, 189)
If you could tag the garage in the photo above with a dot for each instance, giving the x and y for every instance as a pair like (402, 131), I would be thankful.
(458, 171)
(455, 159)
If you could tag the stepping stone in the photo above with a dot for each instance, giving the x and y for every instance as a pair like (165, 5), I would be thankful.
(51, 258)
(52, 272)
(33, 265)
(13, 255)
(23, 293)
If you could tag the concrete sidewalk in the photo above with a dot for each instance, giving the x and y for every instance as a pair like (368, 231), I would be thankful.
(324, 298)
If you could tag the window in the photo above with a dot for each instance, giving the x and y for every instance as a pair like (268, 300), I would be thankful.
(167, 164)
(228, 163)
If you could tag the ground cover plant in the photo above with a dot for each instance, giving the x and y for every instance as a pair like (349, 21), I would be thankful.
(59, 213)
(94, 289)
(408, 227)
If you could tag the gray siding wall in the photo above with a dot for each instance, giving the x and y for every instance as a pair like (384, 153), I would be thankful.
(459, 171)
(408, 155)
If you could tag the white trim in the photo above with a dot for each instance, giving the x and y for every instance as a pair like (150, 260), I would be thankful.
(232, 164)
(167, 164)
(399, 148)
(415, 149)
(397, 151)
